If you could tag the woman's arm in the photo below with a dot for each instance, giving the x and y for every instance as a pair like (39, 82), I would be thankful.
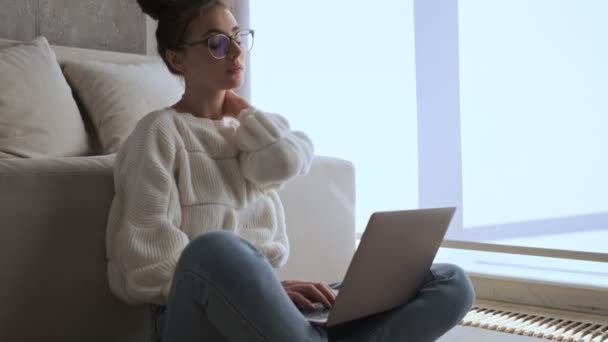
(271, 153)
(149, 241)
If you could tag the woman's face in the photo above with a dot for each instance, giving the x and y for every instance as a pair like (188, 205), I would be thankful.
(198, 64)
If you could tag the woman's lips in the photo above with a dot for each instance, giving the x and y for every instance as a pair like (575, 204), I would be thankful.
(235, 70)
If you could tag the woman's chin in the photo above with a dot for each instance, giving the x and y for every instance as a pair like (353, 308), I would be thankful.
(234, 82)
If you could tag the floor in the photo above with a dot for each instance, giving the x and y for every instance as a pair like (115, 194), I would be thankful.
(462, 334)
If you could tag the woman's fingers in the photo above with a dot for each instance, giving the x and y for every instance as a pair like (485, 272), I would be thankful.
(300, 300)
(328, 292)
(313, 292)
(233, 104)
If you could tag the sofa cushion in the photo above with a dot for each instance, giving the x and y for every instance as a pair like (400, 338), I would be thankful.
(116, 96)
(38, 115)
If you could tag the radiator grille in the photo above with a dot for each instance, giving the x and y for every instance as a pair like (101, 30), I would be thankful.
(538, 322)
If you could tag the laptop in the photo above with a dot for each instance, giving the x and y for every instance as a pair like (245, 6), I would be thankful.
(387, 270)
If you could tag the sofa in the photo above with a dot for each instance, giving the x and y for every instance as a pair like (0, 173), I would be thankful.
(56, 186)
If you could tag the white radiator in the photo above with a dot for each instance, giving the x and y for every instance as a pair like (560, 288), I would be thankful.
(538, 322)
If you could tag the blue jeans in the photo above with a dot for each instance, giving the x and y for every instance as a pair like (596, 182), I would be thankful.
(225, 290)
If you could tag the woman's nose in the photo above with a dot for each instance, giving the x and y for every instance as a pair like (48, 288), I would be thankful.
(235, 50)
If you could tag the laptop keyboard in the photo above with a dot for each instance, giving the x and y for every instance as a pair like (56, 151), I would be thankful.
(318, 314)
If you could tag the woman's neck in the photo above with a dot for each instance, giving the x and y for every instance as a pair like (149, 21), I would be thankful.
(202, 104)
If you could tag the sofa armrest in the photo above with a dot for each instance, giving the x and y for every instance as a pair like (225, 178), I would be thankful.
(320, 215)
(53, 283)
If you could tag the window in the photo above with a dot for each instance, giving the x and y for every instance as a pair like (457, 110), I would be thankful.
(344, 72)
(494, 106)
(529, 123)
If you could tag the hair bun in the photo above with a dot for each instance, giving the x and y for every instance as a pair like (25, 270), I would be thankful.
(155, 8)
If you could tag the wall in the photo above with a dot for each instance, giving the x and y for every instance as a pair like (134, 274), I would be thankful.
(117, 25)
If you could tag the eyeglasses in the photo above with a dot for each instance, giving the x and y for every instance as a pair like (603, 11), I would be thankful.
(219, 43)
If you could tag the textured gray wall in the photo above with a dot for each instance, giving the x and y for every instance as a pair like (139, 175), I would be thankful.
(18, 19)
(117, 25)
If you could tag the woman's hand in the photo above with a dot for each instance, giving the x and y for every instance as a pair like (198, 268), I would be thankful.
(305, 293)
(233, 104)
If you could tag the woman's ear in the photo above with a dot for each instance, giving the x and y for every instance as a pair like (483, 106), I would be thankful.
(175, 61)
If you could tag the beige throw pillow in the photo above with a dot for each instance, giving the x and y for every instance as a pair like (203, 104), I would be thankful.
(116, 96)
(38, 115)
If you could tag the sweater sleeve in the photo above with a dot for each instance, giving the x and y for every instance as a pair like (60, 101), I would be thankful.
(281, 238)
(270, 152)
(149, 241)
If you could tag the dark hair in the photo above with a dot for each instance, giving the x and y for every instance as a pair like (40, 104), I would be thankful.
(174, 18)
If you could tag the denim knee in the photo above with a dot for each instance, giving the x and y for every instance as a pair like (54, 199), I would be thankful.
(214, 250)
(459, 291)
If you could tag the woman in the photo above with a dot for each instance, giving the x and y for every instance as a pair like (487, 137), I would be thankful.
(196, 224)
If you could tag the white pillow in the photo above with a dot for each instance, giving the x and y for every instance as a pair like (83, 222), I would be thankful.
(38, 115)
(117, 96)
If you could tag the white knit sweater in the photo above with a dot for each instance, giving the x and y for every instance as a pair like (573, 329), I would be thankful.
(178, 176)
